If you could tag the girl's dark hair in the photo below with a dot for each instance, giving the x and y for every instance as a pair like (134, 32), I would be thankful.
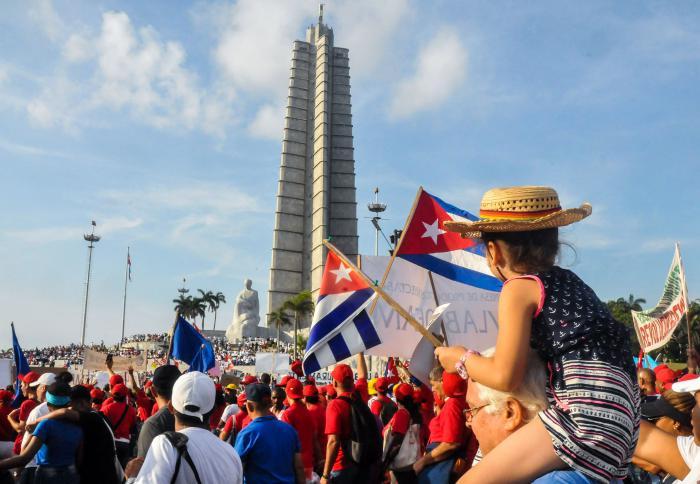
(65, 377)
(413, 408)
(312, 400)
(530, 252)
(59, 388)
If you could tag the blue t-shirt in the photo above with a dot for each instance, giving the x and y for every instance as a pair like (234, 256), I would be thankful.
(563, 477)
(61, 440)
(267, 447)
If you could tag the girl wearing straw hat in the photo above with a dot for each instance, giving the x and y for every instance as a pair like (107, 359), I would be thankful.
(592, 423)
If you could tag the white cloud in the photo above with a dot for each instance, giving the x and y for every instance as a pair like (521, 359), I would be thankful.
(43, 13)
(268, 123)
(440, 69)
(134, 70)
(4, 75)
(56, 234)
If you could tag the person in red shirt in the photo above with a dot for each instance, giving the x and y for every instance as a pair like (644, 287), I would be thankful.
(382, 399)
(448, 432)
(18, 417)
(322, 397)
(407, 418)
(7, 433)
(299, 417)
(318, 413)
(219, 406)
(122, 419)
(338, 467)
(97, 398)
(114, 380)
(236, 423)
(144, 401)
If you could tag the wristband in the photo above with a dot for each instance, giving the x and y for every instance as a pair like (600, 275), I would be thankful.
(461, 367)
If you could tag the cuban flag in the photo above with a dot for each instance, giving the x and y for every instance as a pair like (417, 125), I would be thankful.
(427, 244)
(341, 326)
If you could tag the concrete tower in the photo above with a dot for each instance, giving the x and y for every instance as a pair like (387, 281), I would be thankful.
(316, 191)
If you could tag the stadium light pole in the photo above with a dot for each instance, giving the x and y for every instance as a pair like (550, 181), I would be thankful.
(376, 208)
(91, 238)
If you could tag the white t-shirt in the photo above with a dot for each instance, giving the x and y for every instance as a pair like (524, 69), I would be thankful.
(216, 461)
(691, 455)
(36, 413)
(231, 409)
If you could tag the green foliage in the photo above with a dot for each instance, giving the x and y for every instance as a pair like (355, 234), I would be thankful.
(301, 305)
(196, 307)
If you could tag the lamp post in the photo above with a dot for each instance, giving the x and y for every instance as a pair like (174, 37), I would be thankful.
(91, 238)
(376, 208)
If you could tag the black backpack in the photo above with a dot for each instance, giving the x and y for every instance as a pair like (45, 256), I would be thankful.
(364, 447)
(388, 410)
(179, 442)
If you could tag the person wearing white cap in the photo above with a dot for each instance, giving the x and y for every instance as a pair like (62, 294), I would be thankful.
(191, 454)
(44, 381)
(679, 456)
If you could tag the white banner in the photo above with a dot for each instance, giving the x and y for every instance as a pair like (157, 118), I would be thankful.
(273, 363)
(655, 326)
(96, 360)
(470, 321)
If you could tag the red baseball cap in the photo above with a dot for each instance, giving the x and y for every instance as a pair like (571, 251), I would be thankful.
(5, 396)
(453, 385)
(322, 390)
(119, 390)
(240, 401)
(382, 384)
(294, 389)
(310, 379)
(283, 382)
(115, 380)
(30, 377)
(403, 391)
(97, 394)
(330, 391)
(248, 379)
(665, 375)
(310, 391)
(342, 372)
(296, 367)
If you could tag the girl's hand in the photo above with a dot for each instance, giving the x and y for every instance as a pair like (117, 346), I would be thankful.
(448, 356)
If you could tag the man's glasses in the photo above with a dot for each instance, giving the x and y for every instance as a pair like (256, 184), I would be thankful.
(470, 413)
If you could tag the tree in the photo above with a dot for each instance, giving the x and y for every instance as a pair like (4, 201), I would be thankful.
(218, 298)
(621, 310)
(182, 305)
(635, 304)
(301, 305)
(208, 301)
(279, 318)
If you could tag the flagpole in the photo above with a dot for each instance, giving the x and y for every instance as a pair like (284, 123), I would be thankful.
(390, 301)
(126, 282)
(437, 303)
(398, 245)
(172, 333)
(685, 296)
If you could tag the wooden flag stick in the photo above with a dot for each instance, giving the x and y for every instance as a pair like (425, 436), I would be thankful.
(389, 300)
(398, 246)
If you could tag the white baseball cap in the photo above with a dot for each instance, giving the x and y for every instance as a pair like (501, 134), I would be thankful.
(45, 379)
(194, 394)
(687, 384)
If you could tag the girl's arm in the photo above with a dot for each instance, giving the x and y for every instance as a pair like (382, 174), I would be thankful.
(504, 370)
(27, 454)
(13, 418)
(61, 413)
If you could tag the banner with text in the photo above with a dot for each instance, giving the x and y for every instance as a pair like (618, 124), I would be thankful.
(96, 361)
(471, 319)
(655, 326)
(274, 363)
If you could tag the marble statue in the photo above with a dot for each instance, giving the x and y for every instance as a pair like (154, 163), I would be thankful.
(246, 314)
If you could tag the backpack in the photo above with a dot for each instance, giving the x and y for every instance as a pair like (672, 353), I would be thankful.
(179, 442)
(364, 447)
(388, 410)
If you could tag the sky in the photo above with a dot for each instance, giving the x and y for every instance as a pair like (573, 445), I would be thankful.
(162, 121)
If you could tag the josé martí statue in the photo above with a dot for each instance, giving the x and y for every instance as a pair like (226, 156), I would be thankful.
(246, 314)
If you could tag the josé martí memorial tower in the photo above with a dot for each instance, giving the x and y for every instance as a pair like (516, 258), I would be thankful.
(316, 191)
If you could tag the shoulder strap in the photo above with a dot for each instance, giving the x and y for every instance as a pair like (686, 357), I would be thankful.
(179, 441)
(535, 278)
(126, 410)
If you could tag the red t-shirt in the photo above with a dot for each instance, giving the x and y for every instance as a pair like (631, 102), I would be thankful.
(338, 423)
(106, 403)
(299, 417)
(144, 405)
(114, 412)
(7, 433)
(216, 416)
(378, 404)
(362, 387)
(24, 410)
(318, 414)
(449, 426)
(241, 420)
(399, 423)
(154, 409)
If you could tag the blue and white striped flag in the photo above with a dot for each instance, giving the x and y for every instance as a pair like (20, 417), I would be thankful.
(341, 326)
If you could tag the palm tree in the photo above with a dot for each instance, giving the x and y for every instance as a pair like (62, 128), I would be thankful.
(301, 305)
(208, 300)
(198, 307)
(218, 298)
(279, 318)
(635, 304)
(182, 305)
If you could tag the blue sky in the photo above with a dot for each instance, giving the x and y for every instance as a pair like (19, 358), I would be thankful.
(162, 122)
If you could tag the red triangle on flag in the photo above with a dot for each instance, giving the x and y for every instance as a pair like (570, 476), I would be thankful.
(338, 277)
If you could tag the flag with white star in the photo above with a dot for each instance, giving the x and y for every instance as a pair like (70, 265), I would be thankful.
(341, 326)
(426, 243)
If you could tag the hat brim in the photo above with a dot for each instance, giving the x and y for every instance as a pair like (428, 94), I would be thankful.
(687, 386)
(562, 218)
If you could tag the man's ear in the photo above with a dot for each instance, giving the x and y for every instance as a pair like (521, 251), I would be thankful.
(514, 414)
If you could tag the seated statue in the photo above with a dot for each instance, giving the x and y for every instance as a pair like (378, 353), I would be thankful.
(246, 314)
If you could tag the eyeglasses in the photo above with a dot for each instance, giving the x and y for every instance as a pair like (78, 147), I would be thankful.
(470, 413)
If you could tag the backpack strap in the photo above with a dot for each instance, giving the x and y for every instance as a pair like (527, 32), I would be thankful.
(179, 442)
(121, 419)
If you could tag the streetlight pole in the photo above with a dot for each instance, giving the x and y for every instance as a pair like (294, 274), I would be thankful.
(91, 239)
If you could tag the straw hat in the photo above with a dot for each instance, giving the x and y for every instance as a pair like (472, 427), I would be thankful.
(519, 209)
